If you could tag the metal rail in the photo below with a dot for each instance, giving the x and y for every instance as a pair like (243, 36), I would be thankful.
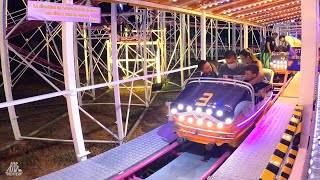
(146, 162)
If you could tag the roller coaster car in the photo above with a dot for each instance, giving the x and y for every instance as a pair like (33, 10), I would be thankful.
(215, 110)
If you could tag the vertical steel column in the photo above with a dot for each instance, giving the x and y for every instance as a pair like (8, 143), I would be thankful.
(175, 35)
(145, 65)
(159, 46)
(182, 47)
(158, 61)
(109, 63)
(48, 46)
(245, 36)
(252, 36)
(164, 40)
(277, 30)
(203, 36)
(234, 36)
(85, 48)
(307, 84)
(5, 66)
(91, 66)
(229, 36)
(77, 66)
(211, 38)
(216, 40)
(70, 84)
(241, 37)
(127, 60)
(189, 45)
(196, 36)
(260, 38)
(264, 32)
(115, 73)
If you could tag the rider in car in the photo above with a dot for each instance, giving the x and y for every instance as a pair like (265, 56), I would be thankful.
(232, 69)
(206, 69)
(261, 88)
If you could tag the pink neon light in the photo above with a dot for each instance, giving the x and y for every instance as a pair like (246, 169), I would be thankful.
(216, 165)
(257, 112)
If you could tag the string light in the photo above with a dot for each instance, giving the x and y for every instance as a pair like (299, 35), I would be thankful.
(297, 17)
(275, 13)
(245, 7)
(276, 17)
(268, 9)
(205, 6)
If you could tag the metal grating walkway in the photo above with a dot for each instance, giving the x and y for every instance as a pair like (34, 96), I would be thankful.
(252, 156)
(118, 159)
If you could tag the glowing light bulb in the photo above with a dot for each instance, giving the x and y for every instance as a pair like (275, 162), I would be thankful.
(219, 113)
(220, 125)
(228, 121)
(199, 122)
(209, 111)
(174, 111)
(209, 124)
(190, 120)
(189, 108)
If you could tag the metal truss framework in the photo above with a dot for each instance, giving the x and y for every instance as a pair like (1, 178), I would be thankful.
(149, 46)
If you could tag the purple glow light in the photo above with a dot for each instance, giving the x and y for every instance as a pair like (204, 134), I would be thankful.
(257, 112)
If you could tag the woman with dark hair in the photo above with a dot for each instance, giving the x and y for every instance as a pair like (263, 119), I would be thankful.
(248, 57)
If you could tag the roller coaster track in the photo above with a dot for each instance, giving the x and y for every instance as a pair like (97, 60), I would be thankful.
(37, 59)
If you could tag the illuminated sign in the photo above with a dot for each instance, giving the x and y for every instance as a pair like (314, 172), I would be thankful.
(47, 11)
(294, 59)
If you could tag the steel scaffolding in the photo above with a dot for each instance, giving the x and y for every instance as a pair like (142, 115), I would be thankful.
(137, 45)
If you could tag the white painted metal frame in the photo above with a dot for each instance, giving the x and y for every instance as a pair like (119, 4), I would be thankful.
(309, 70)
(178, 49)
(70, 84)
(6, 75)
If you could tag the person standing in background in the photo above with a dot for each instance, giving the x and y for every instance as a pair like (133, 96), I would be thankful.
(283, 45)
(269, 49)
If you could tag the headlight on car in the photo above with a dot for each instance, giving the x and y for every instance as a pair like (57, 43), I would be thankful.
(228, 121)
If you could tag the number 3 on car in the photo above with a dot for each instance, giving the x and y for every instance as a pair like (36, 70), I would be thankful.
(205, 98)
